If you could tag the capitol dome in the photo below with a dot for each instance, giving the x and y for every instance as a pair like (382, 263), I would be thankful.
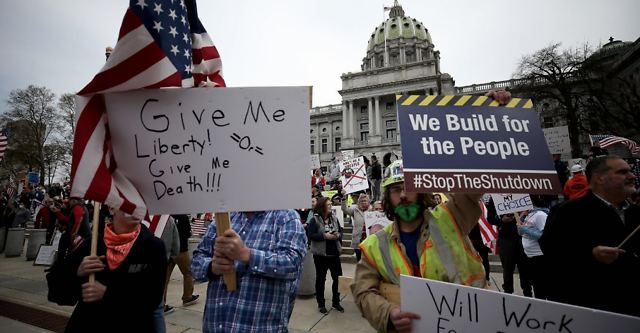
(405, 40)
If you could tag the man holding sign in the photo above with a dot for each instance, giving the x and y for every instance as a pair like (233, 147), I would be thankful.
(266, 250)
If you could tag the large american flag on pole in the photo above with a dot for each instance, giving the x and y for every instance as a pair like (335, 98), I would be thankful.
(488, 231)
(161, 44)
(610, 140)
(4, 140)
(11, 189)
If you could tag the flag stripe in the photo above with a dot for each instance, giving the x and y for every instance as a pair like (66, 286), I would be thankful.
(130, 22)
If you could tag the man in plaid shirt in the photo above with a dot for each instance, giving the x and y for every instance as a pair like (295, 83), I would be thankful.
(266, 250)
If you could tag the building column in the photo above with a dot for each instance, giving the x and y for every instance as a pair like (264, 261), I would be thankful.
(371, 117)
(351, 120)
(330, 140)
(345, 119)
(378, 116)
(318, 147)
(402, 55)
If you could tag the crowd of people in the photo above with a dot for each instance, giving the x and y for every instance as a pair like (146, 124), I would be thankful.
(579, 239)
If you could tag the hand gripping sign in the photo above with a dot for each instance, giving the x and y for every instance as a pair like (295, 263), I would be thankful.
(470, 144)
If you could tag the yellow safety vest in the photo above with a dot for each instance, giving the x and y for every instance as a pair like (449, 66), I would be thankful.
(445, 257)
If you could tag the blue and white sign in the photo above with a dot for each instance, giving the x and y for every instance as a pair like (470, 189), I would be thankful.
(468, 144)
(510, 203)
(34, 177)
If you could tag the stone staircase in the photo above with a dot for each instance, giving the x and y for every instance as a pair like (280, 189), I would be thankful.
(348, 254)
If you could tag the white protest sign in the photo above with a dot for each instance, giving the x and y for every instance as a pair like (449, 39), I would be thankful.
(577, 161)
(354, 175)
(348, 154)
(337, 211)
(558, 141)
(315, 161)
(371, 218)
(56, 240)
(509, 203)
(46, 255)
(448, 307)
(204, 149)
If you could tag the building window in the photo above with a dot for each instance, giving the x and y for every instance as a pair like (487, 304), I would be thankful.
(430, 91)
(391, 123)
(391, 133)
(364, 126)
(338, 128)
(395, 60)
(364, 136)
(311, 131)
(548, 122)
(338, 144)
(390, 106)
(363, 109)
(381, 62)
(324, 145)
(324, 130)
(313, 147)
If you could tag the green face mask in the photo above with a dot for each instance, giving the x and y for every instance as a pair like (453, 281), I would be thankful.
(408, 213)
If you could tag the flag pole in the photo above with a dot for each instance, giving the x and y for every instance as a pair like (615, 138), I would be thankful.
(223, 223)
(94, 235)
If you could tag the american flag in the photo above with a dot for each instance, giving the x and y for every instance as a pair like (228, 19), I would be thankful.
(157, 223)
(489, 232)
(386, 9)
(11, 189)
(610, 140)
(4, 138)
(161, 44)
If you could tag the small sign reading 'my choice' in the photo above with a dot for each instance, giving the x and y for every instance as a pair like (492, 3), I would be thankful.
(470, 144)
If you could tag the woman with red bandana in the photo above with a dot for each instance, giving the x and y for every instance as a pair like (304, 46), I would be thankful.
(130, 270)
(356, 211)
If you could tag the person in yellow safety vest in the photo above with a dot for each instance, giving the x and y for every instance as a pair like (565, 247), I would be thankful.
(432, 244)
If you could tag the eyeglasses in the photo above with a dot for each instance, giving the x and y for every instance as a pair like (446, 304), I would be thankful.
(396, 190)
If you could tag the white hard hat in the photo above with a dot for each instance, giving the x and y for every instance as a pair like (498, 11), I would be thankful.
(576, 168)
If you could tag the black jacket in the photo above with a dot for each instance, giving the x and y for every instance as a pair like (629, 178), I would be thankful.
(134, 289)
(184, 231)
(572, 230)
(505, 230)
(376, 171)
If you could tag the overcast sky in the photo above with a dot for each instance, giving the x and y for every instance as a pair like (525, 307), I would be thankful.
(60, 44)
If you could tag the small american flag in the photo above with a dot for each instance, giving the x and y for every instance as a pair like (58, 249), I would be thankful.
(161, 44)
(489, 232)
(386, 9)
(610, 140)
(11, 189)
(157, 223)
(4, 138)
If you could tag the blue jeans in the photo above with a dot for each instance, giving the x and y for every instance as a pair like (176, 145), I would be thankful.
(158, 319)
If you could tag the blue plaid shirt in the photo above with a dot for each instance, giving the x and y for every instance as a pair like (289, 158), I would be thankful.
(267, 287)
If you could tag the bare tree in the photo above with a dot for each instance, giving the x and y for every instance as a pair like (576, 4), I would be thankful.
(33, 118)
(67, 107)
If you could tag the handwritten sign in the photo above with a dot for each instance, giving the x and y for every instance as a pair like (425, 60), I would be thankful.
(315, 161)
(375, 218)
(189, 150)
(509, 203)
(354, 175)
(468, 144)
(447, 307)
(337, 212)
(56, 240)
(46, 255)
(348, 154)
(558, 141)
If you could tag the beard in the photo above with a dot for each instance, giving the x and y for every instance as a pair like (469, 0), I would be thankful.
(408, 213)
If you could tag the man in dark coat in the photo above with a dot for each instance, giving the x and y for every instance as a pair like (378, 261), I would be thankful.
(582, 237)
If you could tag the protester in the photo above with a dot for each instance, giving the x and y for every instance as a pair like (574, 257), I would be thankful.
(375, 227)
(476, 239)
(406, 238)
(437, 198)
(128, 285)
(531, 230)
(8, 216)
(47, 219)
(22, 217)
(582, 236)
(577, 186)
(76, 224)
(510, 250)
(562, 171)
(315, 192)
(266, 250)
(318, 179)
(376, 178)
(326, 234)
(356, 211)
(336, 200)
(183, 261)
(172, 245)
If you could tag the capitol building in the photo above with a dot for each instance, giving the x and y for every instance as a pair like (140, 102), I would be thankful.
(400, 58)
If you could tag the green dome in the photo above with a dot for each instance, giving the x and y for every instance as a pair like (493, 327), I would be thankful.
(396, 27)
(613, 44)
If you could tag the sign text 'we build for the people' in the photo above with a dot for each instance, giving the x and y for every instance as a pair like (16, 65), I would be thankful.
(468, 144)
(198, 150)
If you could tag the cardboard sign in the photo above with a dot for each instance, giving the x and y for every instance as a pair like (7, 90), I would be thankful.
(557, 139)
(469, 144)
(315, 161)
(202, 149)
(46, 255)
(509, 203)
(447, 307)
(348, 154)
(354, 175)
(371, 218)
(337, 211)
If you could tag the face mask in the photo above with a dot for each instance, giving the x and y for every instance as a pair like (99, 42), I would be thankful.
(21, 206)
(364, 206)
(408, 213)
